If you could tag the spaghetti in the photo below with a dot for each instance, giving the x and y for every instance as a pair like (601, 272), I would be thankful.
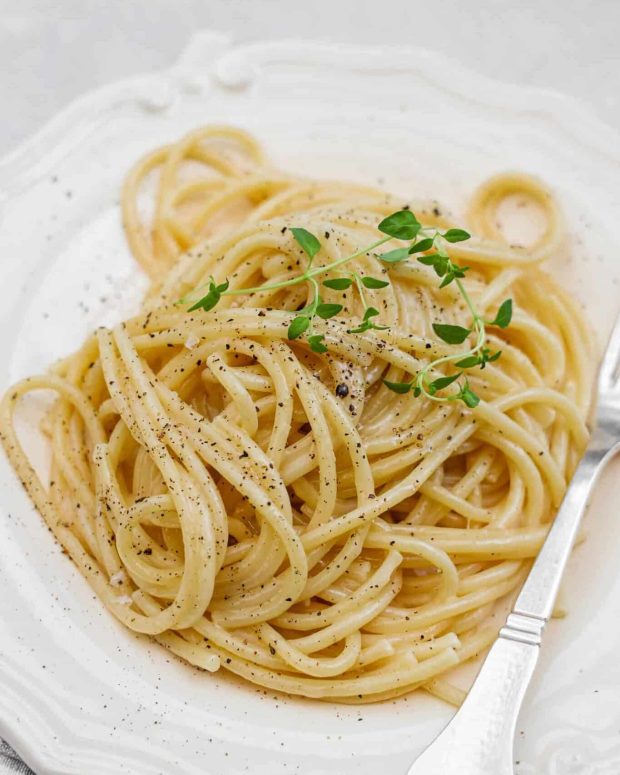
(254, 505)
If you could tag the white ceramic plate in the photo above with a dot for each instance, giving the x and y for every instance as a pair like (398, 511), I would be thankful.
(80, 695)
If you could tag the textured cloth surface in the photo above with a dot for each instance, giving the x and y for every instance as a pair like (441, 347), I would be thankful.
(10, 763)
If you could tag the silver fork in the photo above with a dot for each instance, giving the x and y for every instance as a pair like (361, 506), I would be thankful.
(479, 739)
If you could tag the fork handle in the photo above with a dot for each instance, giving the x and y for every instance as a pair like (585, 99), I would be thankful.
(479, 739)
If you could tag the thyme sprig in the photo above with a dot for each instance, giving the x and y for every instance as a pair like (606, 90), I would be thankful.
(430, 247)
(434, 240)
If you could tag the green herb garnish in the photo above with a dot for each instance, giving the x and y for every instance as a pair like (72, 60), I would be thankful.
(430, 248)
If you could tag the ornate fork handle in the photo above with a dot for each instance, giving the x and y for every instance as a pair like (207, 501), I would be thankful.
(479, 739)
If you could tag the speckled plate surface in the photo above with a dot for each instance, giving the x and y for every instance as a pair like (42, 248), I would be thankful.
(80, 695)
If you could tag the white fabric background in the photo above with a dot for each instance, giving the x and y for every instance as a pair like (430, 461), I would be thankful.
(53, 50)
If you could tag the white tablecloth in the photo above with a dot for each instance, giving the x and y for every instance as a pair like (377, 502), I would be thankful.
(10, 761)
(52, 52)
